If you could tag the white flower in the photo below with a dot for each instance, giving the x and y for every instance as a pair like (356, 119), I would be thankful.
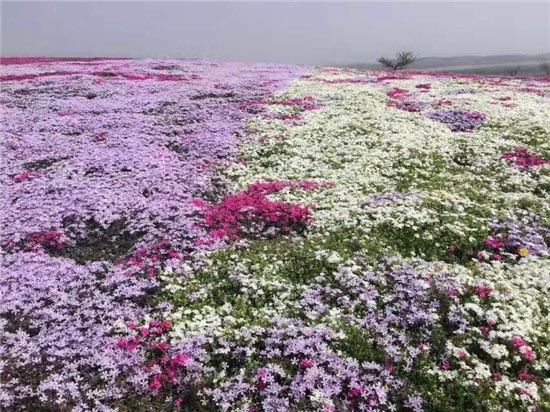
(334, 258)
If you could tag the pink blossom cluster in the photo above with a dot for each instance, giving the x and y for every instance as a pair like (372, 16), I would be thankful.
(51, 241)
(165, 365)
(523, 348)
(26, 175)
(251, 214)
(404, 100)
(523, 158)
(150, 260)
(483, 291)
(398, 93)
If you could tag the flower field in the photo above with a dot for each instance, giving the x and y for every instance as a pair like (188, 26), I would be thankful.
(188, 235)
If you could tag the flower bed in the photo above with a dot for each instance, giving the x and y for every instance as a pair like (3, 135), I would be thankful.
(202, 236)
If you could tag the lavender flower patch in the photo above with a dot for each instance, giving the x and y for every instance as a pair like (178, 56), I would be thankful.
(100, 161)
(459, 120)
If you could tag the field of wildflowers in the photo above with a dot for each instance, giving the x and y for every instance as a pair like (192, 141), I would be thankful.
(197, 236)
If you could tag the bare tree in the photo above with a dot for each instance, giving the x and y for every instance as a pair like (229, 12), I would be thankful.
(513, 71)
(545, 67)
(400, 61)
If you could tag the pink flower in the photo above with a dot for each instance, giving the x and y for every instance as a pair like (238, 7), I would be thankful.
(173, 254)
(451, 292)
(165, 324)
(528, 353)
(355, 393)
(522, 158)
(306, 363)
(128, 344)
(162, 346)
(26, 175)
(462, 354)
(398, 93)
(197, 202)
(155, 384)
(517, 342)
(262, 377)
(526, 377)
(180, 359)
(445, 365)
(483, 291)
(497, 376)
(525, 392)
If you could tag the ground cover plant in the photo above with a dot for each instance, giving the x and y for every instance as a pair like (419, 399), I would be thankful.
(188, 235)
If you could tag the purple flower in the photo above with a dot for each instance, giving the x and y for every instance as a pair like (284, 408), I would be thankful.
(459, 120)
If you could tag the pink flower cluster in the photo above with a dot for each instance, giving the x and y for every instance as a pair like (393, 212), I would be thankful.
(26, 175)
(522, 158)
(251, 213)
(165, 364)
(263, 378)
(483, 291)
(51, 242)
(403, 100)
(524, 349)
(398, 93)
(151, 260)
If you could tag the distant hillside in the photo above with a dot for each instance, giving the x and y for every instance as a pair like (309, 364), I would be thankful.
(502, 64)
(432, 62)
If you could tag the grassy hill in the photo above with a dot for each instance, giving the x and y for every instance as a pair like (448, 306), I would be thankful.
(529, 65)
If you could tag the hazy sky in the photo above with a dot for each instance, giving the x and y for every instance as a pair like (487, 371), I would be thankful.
(304, 33)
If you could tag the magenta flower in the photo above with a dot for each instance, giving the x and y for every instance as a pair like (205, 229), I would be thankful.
(524, 159)
(483, 291)
(306, 363)
(355, 393)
